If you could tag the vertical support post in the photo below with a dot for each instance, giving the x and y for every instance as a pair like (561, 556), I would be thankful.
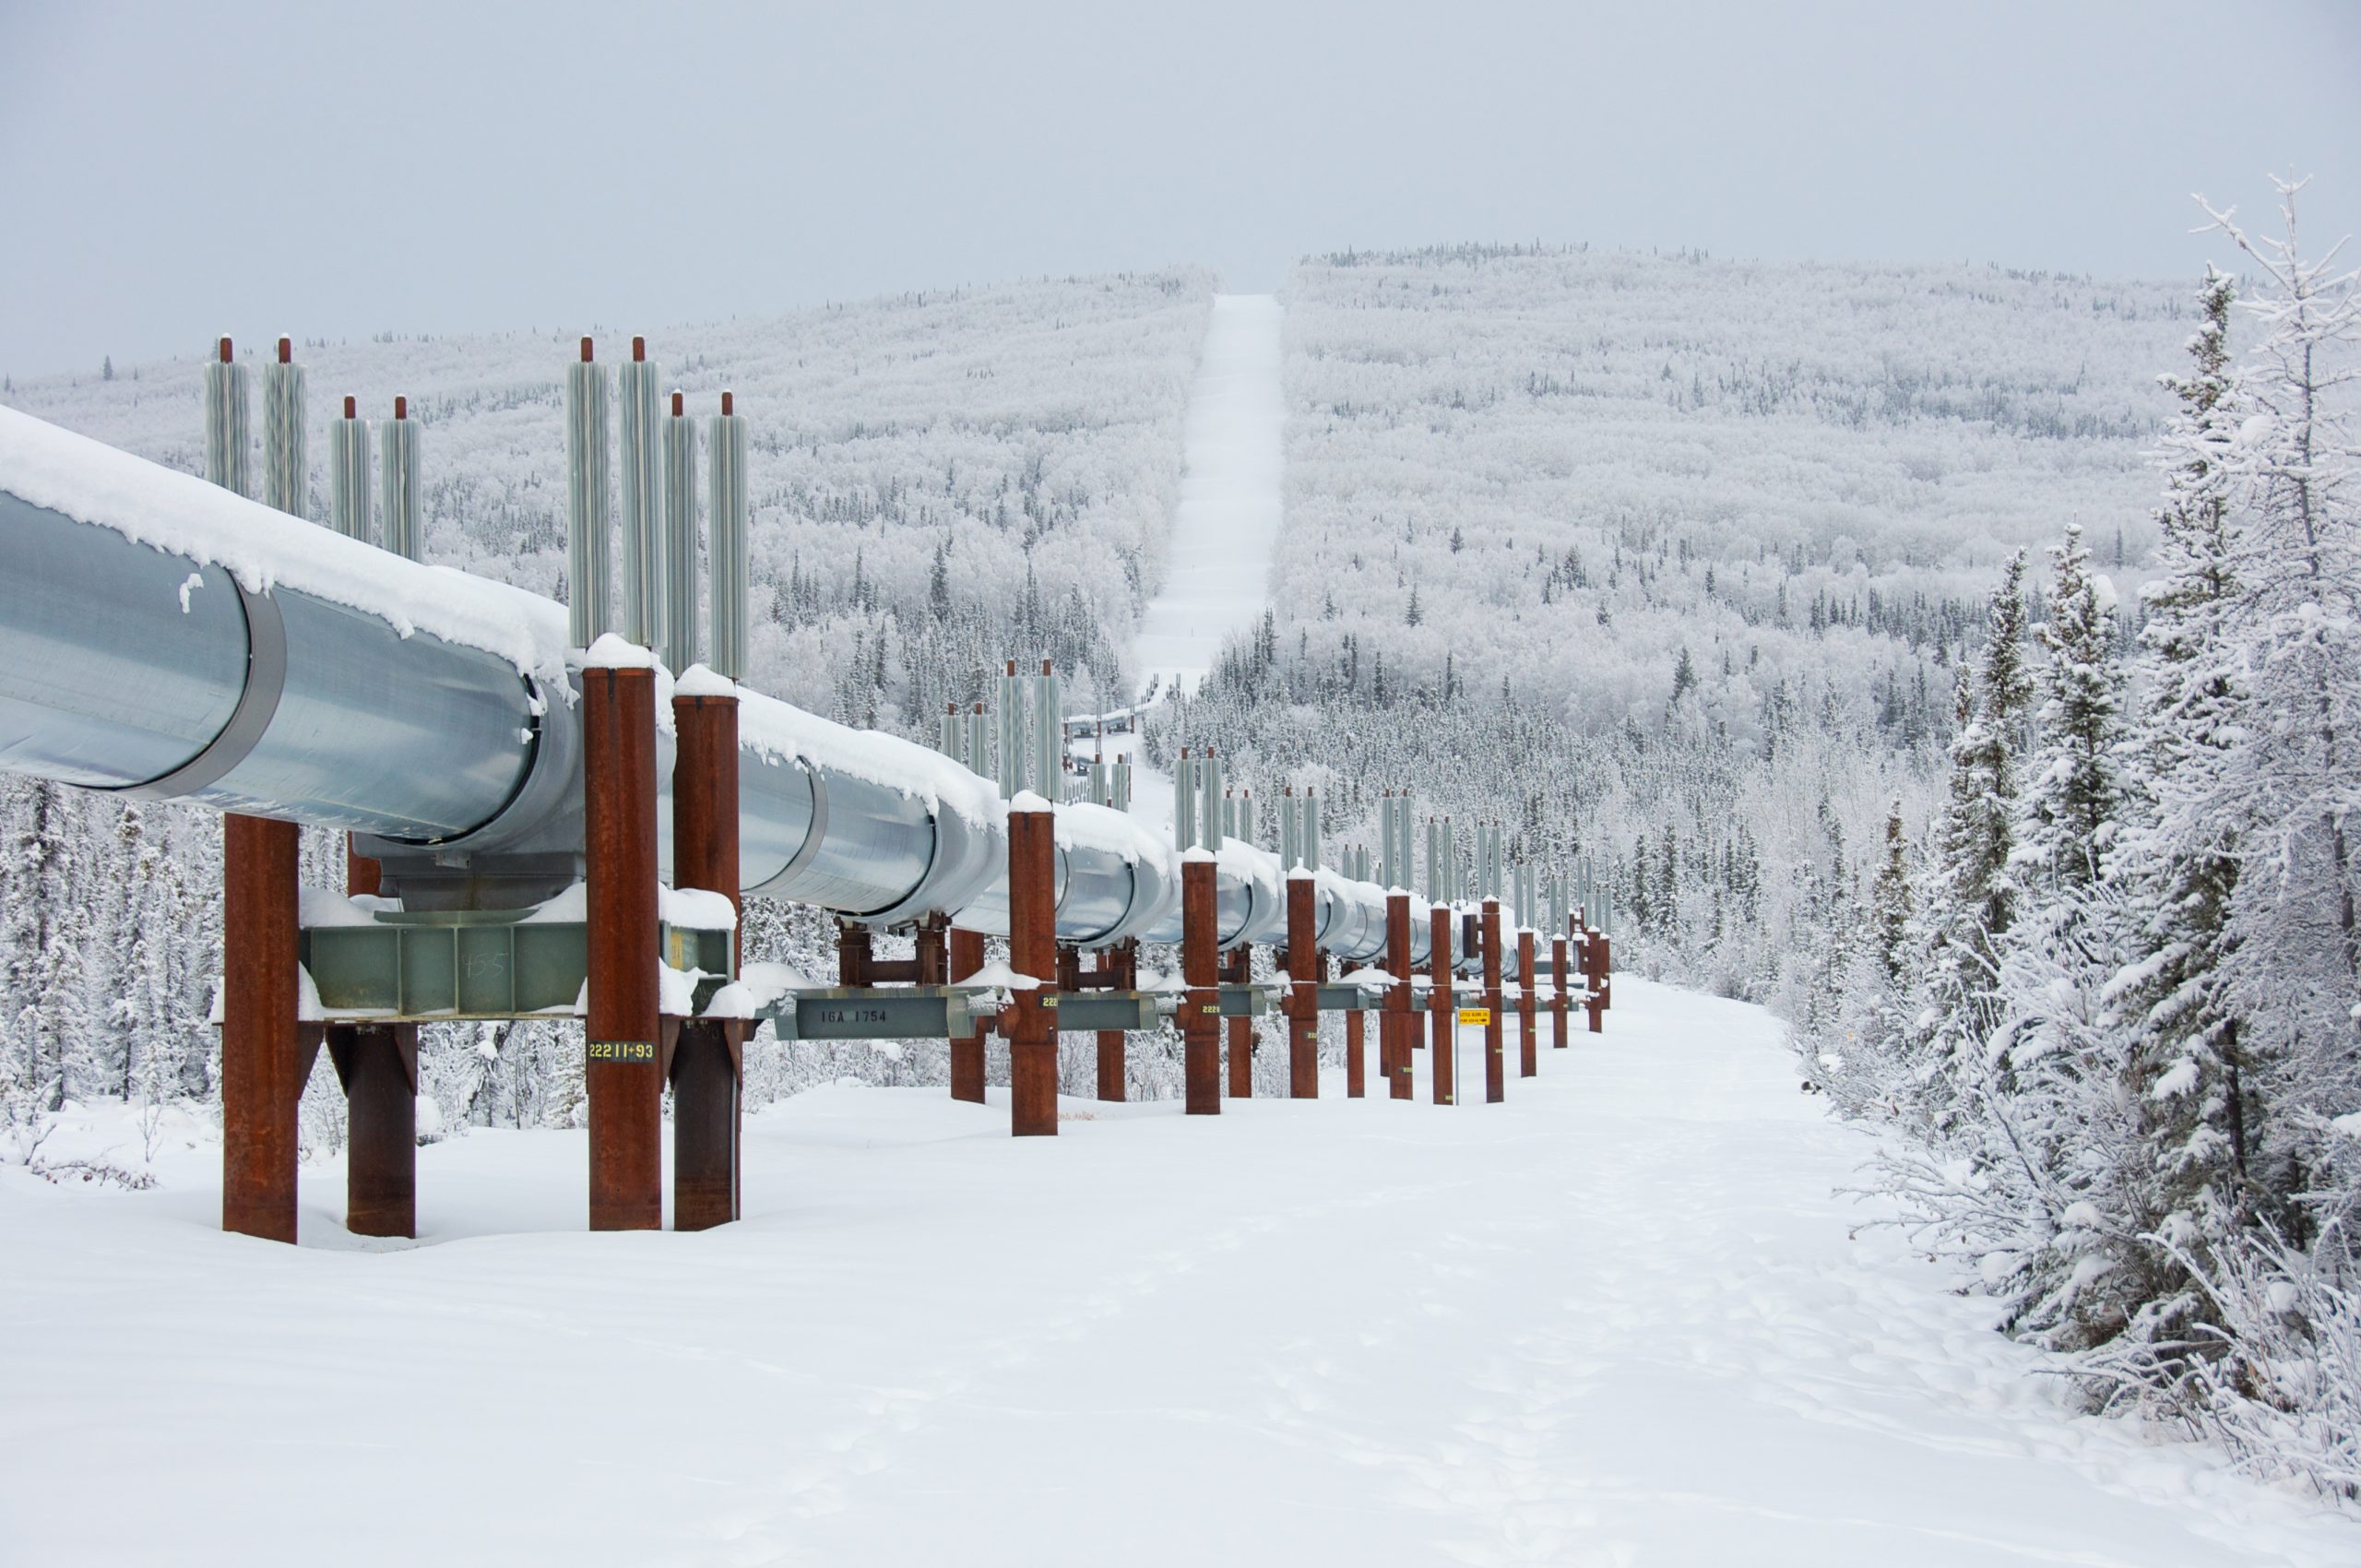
(1119, 968)
(397, 472)
(1240, 968)
(966, 1050)
(262, 1059)
(1559, 1003)
(349, 506)
(1049, 735)
(1356, 1053)
(1528, 1061)
(1199, 1002)
(855, 947)
(624, 1073)
(930, 950)
(228, 433)
(589, 514)
(709, 1056)
(1394, 1024)
(1030, 1022)
(1496, 1088)
(1444, 1057)
(1303, 994)
(377, 1064)
(639, 419)
(286, 472)
(1595, 972)
(262, 1066)
(679, 536)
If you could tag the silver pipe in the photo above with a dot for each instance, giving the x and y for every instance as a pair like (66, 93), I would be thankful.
(726, 542)
(589, 516)
(286, 474)
(349, 499)
(639, 420)
(128, 664)
(397, 472)
(980, 743)
(227, 434)
(1010, 749)
(1049, 735)
(1184, 801)
(679, 536)
(1209, 823)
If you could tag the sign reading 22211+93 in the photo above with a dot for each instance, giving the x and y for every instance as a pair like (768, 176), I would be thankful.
(622, 1050)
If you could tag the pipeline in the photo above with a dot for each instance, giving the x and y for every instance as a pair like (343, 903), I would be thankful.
(167, 639)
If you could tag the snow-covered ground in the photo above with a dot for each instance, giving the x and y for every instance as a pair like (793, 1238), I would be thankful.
(1227, 524)
(1620, 1320)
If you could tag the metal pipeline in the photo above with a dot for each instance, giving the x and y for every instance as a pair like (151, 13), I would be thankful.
(133, 659)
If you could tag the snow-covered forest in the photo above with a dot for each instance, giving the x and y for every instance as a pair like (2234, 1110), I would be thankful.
(1687, 549)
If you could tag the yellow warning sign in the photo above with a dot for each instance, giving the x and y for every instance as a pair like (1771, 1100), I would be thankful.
(1470, 1015)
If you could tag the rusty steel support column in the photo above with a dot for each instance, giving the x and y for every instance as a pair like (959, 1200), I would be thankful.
(1356, 1049)
(855, 949)
(262, 1057)
(1496, 1088)
(968, 1050)
(624, 1035)
(930, 950)
(1445, 1056)
(1119, 968)
(1595, 973)
(1303, 992)
(362, 874)
(1030, 1022)
(1558, 1004)
(377, 1064)
(1199, 1002)
(1528, 1057)
(1238, 971)
(1394, 1024)
(709, 1056)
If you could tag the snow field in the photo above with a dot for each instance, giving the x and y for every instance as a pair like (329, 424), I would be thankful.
(1620, 1320)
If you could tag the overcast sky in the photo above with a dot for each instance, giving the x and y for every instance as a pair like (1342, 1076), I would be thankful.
(170, 172)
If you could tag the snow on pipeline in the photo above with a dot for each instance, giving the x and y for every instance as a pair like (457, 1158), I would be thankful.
(1218, 563)
(1620, 1320)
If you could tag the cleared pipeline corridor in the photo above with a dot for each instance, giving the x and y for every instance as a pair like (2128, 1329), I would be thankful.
(1227, 522)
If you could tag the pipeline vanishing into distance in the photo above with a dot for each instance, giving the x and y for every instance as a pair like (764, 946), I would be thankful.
(168, 639)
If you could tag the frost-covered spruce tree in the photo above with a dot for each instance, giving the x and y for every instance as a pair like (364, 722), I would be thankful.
(2177, 855)
(1889, 903)
(2059, 1139)
(1969, 900)
(1984, 755)
(2292, 776)
(2073, 793)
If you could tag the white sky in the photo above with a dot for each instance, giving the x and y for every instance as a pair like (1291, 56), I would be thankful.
(170, 172)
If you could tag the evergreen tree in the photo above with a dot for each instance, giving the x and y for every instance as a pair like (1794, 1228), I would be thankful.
(2178, 855)
(2072, 794)
(1889, 903)
(2291, 779)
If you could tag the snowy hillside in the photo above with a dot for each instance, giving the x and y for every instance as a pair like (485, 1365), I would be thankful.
(1618, 1320)
(964, 426)
(1586, 462)
(1670, 560)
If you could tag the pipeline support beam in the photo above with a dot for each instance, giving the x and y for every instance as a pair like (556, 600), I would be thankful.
(624, 1073)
